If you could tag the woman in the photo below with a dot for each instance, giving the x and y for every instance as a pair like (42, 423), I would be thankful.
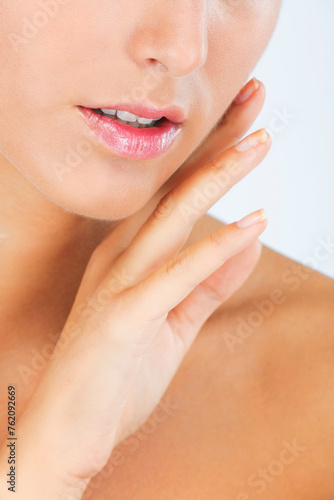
(148, 350)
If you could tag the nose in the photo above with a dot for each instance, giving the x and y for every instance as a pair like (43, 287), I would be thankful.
(172, 34)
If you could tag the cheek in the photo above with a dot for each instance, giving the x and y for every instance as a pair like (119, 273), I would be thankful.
(40, 43)
(56, 50)
(50, 62)
(237, 39)
(34, 41)
(47, 69)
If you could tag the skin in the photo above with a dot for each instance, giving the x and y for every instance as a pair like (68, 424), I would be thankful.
(45, 217)
(232, 405)
(48, 244)
(40, 209)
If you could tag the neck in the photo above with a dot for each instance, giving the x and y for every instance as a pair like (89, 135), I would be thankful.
(43, 253)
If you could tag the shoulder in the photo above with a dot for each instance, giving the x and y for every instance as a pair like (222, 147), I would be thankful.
(251, 409)
(276, 349)
(259, 381)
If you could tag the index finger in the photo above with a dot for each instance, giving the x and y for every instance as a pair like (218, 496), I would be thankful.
(234, 124)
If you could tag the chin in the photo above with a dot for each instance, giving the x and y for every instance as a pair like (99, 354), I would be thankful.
(98, 201)
(98, 190)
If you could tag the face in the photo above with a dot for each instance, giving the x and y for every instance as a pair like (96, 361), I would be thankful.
(62, 56)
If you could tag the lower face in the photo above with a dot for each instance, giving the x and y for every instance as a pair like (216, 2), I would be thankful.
(64, 60)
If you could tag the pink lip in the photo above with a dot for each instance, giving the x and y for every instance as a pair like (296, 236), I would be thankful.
(129, 142)
(172, 113)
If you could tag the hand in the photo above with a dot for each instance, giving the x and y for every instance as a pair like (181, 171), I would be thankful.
(134, 318)
(233, 125)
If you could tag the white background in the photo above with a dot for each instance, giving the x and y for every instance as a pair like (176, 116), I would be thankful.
(295, 183)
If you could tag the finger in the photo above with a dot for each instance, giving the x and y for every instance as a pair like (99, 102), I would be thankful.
(190, 315)
(106, 253)
(238, 118)
(233, 125)
(151, 300)
(167, 229)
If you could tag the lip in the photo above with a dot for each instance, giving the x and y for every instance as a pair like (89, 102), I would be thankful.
(172, 113)
(136, 143)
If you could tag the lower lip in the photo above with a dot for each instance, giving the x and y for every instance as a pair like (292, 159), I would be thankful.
(130, 142)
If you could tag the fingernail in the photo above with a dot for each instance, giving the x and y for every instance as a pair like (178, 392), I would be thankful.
(252, 140)
(247, 91)
(252, 219)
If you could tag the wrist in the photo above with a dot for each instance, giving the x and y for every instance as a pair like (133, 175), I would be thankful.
(31, 478)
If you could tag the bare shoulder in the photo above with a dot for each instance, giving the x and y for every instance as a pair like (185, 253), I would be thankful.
(277, 340)
(250, 411)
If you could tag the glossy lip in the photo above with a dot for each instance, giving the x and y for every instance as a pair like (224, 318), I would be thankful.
(129, 142)
(172, 113)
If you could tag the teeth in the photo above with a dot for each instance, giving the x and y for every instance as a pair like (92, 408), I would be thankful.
(127, 117)
(145, 121)
(109, 111)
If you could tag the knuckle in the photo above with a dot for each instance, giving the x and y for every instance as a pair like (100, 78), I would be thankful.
(211, 292)
(184, 317)
(216, 164)
(165, 207)
(178, 266)
(217, 238)
(227, 171)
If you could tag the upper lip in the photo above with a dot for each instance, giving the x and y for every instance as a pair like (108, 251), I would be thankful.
(174, 114)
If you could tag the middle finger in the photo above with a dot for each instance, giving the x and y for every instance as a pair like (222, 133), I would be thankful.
(166, 230)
